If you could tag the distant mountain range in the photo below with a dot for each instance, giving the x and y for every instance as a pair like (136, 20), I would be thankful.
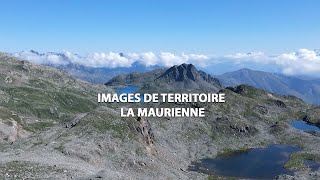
(187, 77)
(317, 51)
(103, 74)
(302, 87)
(182, 78)
(308, 90)
(95, 75)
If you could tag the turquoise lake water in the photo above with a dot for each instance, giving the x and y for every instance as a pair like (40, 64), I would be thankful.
(302, 125)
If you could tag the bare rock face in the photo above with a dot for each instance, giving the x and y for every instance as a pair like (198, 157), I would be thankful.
(236, 127)
(184, 77)
(280, 103)
(144, 128)
(182, 73)
(301, 175)
(75, 120)
(10, 131)
(239, 89)
(187, 76)
(278, 127)
(313, 116)
(260, 110)
(8, 80)
(242, 128)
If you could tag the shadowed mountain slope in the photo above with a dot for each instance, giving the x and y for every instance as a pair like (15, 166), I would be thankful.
(308, 90)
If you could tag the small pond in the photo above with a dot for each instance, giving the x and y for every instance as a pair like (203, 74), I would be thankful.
(302, 125)
(127, 89)
(258, 163)
(312, 165)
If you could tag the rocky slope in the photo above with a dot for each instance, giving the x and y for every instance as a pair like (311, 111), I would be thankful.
(64, 134)
(34, 97)
(184, 77)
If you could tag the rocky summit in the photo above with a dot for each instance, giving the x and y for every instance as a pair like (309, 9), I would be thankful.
(51, 126)
(184, 77)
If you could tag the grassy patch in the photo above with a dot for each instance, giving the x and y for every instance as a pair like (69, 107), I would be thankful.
(229, 152)
(296, 141)
(296, 161)
(213, 177)
(37, 102)
(6, 114)
(248, 112)
(225, 108)
(103, 122)
(40, 83)
(39, 126)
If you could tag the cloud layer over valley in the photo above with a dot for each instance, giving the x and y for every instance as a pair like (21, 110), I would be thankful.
(301, 62)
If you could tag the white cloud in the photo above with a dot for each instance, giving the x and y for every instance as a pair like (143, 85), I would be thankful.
(167, 59)
(246, 56)
(170, 59)
(259, 57)
(41, 59)
(303, 61)
(147, 58)
(111, 60)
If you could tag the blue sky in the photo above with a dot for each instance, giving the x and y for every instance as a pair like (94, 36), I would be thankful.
(202, 26)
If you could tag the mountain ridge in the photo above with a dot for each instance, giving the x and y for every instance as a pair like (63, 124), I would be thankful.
(179, 77)
(308, 90)
(95, 75)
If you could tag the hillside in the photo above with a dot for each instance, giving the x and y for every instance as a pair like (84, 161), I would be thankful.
(308, 90)
(52, 128)
(36, 97)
